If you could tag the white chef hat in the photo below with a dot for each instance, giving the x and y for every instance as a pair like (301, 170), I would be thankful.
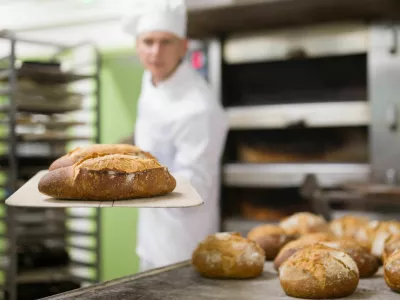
(156, 15)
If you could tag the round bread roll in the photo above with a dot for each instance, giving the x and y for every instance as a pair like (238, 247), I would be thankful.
(347, 226)
(292, 247)
(228, 255)
(392, 271)
(271, 239)
(382, 232)
(319, 272)
(391, 245)
(367, 263)
(373, 235)
(302, 223)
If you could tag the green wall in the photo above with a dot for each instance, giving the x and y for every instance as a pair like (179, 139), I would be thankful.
(121, 79)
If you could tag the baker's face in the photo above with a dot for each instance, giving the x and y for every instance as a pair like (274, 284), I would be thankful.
(160, 52)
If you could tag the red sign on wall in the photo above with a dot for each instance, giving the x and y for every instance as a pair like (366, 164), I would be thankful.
(198, 59)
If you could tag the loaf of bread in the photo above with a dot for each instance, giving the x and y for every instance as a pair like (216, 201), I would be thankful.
(392, 271)
(228, 255)
(303, 223)
(108, 177)
(367, 263)
(382, 232)
(271, 238)
(348, 226)
(78, 154)
(292, 247)
(391, 245)
(319, 272)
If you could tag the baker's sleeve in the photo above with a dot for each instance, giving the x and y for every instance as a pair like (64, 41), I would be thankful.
(197, 151)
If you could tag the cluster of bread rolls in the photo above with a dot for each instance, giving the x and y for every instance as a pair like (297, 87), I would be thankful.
(106, 172)
(315, 259)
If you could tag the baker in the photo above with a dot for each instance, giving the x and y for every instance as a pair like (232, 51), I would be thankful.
(182, 123)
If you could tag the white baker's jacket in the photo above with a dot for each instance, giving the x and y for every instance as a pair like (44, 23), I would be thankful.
(181, 122)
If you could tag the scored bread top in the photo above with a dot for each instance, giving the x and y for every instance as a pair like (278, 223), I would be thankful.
(117, 162)
(107, 148)
(320, 262)
(232, 245)
(303, 223)
(77, 154)
(391, 245)
(347, 226)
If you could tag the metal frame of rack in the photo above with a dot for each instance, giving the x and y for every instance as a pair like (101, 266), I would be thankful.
(56, 224)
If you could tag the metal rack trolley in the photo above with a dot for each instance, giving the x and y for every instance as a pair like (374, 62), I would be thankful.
(47, 224)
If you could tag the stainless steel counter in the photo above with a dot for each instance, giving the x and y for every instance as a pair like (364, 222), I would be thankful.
(182, 282)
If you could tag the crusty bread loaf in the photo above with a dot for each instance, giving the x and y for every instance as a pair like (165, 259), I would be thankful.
(367, 263)
(303, 223)
(382, 231)
(391, 245)
(392, 271)
(319, 272)
(108, 177)
(271, 238)
(348, 226)
(78, 154)
(228, 255)
(292, 247)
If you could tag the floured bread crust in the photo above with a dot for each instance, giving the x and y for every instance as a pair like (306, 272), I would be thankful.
(319, 272)
(78, 154)
(292, 247)
(108, 177)
(391, 245)
(228, 255)
(348, 226)
(271, 239)
(392, 271)
(304, 223)
(367, 263)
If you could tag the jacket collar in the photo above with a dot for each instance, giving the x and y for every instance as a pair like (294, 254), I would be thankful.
(176, 80)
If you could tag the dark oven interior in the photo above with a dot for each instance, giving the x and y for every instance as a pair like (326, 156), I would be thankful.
(294, 81)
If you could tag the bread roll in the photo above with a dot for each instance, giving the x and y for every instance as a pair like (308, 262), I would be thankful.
(228, 255)
(78, 154)
(391, 245)
(319, 272)
(303, 223)
(392, 271)
(381, 233)
(347, 226)
(108, 177)
(292, 247)
(367, 263)
(271, 238)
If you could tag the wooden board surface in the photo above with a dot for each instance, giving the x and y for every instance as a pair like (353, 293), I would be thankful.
(182, 282)
(28, 195)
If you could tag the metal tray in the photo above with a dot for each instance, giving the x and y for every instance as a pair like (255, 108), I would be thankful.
(180, 281)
